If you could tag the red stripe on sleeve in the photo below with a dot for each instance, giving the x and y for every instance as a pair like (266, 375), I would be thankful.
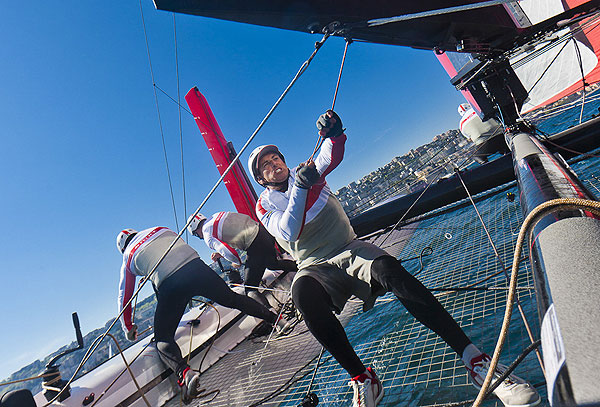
(337, 154)
(233, 251)
(129, 287)
(259, 207)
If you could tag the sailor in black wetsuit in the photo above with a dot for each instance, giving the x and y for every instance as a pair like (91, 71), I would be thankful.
(299, 210)
(180, 276)
(228, 232)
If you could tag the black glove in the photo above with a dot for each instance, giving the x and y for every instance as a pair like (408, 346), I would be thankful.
(132, 334)
(306, 176)
(330, 125)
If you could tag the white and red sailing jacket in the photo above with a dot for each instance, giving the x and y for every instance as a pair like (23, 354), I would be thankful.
(141, 255)
(310, 224)
(225, 232)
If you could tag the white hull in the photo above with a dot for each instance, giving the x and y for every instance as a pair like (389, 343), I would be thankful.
(157, 381)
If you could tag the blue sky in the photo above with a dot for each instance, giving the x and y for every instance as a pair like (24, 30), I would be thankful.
(81, 142)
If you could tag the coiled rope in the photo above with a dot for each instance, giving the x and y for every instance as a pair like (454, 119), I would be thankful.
(534, 216)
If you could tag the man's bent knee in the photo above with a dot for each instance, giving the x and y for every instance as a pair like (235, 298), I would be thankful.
(305, 291)
(386, 263)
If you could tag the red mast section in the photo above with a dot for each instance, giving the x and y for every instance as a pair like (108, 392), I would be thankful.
(237, 182)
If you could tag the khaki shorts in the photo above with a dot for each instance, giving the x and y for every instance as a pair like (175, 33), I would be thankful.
(348, 273)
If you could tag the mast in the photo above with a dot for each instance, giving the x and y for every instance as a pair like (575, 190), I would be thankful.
(564, 245)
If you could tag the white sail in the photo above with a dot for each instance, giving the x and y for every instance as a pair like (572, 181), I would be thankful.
(556, 72)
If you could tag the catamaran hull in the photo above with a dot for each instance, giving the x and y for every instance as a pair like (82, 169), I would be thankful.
(197, 329)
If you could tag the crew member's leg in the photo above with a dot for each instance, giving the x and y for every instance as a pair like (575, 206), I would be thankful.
(194, 278)
(203, 281)
(313, 302)
(262, 254)
(419, 301)
(169, 310)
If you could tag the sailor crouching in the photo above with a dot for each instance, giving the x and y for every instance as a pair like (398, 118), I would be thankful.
(180, 276)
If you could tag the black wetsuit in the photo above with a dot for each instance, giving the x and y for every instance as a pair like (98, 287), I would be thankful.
(261, 255)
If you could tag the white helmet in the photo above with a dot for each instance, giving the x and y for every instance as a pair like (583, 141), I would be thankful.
(256, 155)
(194, 221)
(123, 238)
(463, 107)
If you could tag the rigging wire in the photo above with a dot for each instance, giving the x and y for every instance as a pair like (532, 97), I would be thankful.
(547, 68)
(127, 366)
(546, 138)
(174, 101)
(389, 192)
(204, 393)
(120, 374)
(162, 135)
(180, 123)
(551, 112)
(435, 179)
(583, 83)
(321, 139)
(497, 254)
(592, 24)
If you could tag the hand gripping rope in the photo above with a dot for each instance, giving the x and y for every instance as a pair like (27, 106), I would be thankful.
(320, 139)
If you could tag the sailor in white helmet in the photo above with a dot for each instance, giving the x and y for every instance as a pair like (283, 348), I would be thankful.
(228, 232)
(180, 276)
(299, 210)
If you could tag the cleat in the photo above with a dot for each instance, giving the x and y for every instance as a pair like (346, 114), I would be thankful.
(283, 327)
(512, 392)
(190, 388)
(368, 390)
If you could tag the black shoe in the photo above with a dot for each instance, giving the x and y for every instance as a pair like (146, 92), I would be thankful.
(262, 329)
(190, 386)
(258, 297)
